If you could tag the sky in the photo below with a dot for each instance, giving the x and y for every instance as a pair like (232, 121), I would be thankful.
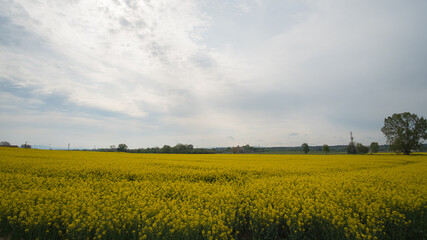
(209, 73)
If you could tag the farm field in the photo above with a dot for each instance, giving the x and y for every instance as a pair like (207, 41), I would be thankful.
(91, 195)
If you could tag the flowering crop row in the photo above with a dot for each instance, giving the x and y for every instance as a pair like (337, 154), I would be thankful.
(89, 195)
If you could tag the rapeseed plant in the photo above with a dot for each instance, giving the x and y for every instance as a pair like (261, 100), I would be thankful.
(89, 195)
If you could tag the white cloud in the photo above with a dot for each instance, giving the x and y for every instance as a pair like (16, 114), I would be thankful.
(199, 71)
(112, 55)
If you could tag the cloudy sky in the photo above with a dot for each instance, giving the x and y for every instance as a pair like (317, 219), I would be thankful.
(210, 73)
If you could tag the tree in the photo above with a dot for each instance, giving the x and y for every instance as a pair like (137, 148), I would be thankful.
(4, 143)
(325, 148)
(405, 132)
(179, 148)
(236, 149)
(122, 147)
(374, 147)
(305, 148)
(351, 149)
(166, 149)
(361, 149)
(189, 148)
(182, 148)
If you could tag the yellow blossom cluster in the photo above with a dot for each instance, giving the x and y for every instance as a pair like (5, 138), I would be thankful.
(92, 195)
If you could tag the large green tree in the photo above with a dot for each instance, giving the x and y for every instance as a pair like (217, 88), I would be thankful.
(305, 147)
(166, 149)
(122, 147)
(325, 148)
(405, 132)
(374, 147)
(351, 149)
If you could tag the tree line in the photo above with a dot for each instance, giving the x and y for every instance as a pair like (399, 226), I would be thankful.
(177, 149)
(404, 133)
(352, 148)
(7, 144)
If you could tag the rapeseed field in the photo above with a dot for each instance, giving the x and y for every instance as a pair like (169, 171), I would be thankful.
(91, 195)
